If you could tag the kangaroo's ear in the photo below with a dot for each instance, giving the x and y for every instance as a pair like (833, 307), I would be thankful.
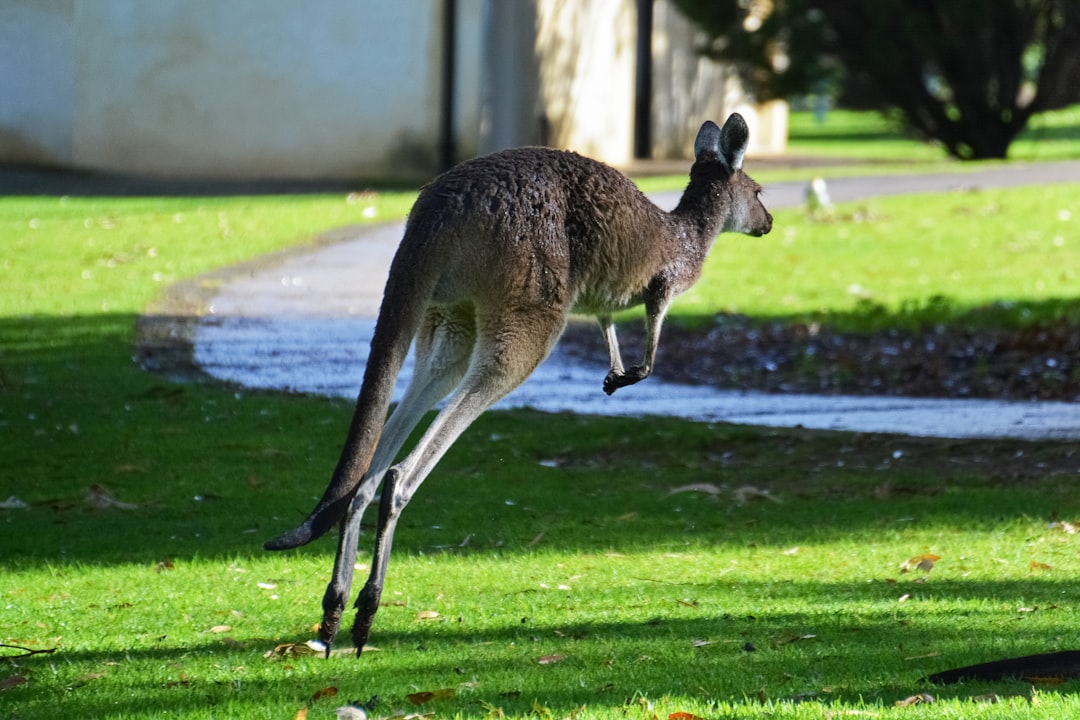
(734, 138)
(708, 141)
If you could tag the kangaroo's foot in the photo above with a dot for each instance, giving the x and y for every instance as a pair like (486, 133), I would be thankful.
(333, 608)
(328, 629)
(367, 604)
(630, 376)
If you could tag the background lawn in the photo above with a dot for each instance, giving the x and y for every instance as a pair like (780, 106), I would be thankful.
(553, 566)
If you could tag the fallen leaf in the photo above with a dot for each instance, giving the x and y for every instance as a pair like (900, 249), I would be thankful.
(1036, 565)
(101, 499)
(551, 659)
(924, 563)
(286, 649)
(707, 488)
(915, 700)
(12, 681)
(324, 693)
(220, 628)
(683, 716)
(301, 714)
(746, 493)
(164, 565)
(426, 696)
(428, 615)
(791, 638)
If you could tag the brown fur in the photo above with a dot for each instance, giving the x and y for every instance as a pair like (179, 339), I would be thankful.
(497, 253)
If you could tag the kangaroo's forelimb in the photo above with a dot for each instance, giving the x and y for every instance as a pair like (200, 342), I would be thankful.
(656, 307)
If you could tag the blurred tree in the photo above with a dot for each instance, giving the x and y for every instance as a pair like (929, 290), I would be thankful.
(967, 73)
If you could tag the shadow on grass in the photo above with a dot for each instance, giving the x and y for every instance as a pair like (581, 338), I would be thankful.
(31, 181)
(820, 654)
(214, 471)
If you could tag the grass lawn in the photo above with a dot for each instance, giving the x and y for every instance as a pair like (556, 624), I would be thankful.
(554, 566)
(871, 136)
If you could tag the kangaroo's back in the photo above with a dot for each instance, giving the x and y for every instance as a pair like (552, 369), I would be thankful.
(550, 223)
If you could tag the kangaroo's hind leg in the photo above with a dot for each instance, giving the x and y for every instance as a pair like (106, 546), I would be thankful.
(444, 345)
(509, 347)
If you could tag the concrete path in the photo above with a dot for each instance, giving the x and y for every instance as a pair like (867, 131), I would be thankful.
(305, 325)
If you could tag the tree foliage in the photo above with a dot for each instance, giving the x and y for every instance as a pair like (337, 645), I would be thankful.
(967, 73)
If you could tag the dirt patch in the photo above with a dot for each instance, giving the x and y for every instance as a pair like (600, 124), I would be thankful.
(735, 352)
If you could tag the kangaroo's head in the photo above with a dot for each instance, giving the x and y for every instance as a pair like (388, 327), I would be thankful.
(719, 152)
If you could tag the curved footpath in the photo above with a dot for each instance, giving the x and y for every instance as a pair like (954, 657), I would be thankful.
(304, 324)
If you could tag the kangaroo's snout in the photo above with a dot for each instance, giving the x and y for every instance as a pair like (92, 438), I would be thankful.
(766, 228)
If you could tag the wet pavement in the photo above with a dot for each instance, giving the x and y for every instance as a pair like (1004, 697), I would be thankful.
(304, 324)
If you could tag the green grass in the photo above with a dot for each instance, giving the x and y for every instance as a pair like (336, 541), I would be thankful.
(83, 255)
(855, 135)
(994, 256)
(539, 538)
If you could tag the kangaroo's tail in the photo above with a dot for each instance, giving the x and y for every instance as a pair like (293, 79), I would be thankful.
(405, 299)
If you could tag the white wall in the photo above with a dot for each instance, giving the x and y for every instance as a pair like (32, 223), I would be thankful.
(230, 88)
(234, 88)
(37, 81)
(238, 89)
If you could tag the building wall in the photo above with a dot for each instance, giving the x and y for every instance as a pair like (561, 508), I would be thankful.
(689, 89)
(229, 88)
(237, 89)
(37, 81)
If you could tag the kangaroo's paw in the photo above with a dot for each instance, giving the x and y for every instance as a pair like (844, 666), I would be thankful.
(328, 629)
(632, 375)
(367, 604)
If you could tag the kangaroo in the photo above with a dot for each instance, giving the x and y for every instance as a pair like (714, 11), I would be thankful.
(497, 253)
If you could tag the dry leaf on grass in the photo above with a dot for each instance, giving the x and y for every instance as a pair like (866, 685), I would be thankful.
(707, 488)
(12, 681)
(746, 493)
(220, 629)
(99, 498)
(915, 700)
(924, 563)
(1036, 565)
(426, 696)
(324, 693)
(683, 716)
(301, 714)
(428, 615)
(287, 649)
(551, 659)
